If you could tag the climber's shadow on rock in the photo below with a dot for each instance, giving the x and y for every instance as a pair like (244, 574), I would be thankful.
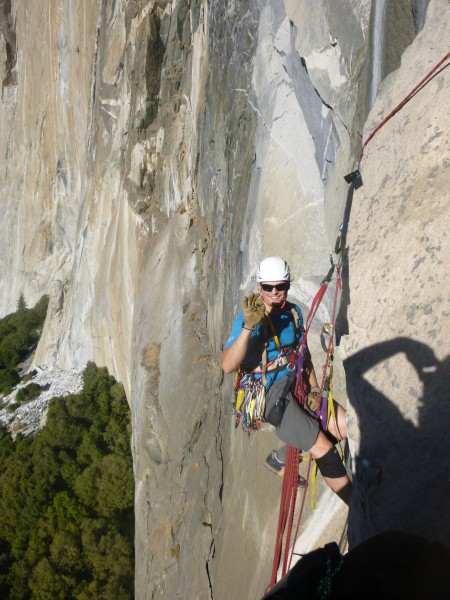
(402, 470)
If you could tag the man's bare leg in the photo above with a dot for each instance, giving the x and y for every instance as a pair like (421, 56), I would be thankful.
(338, 426)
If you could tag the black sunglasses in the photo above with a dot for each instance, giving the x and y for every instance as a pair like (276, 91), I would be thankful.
(280, 287)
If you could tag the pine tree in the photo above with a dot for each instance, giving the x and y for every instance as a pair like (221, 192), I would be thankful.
(21, 304)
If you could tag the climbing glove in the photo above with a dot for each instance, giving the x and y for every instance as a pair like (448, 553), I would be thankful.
(313, 399)
(253, 309)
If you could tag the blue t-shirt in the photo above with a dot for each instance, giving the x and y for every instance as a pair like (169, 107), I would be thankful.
(284, 325)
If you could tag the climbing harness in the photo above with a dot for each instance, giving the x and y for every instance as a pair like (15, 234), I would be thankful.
(249, 400)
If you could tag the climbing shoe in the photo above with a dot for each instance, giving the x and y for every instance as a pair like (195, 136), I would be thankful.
(274, 464)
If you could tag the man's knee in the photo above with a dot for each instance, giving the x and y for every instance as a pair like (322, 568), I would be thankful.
(331, 465)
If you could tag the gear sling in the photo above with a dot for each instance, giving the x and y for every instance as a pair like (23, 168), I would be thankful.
(249, 402)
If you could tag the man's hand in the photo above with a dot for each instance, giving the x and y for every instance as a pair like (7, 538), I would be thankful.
(313, 399)
(253, 309)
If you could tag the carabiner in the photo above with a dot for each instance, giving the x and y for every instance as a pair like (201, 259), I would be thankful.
(291, 364)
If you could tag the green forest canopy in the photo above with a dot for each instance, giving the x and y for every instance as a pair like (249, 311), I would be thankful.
(66, 499)
(19, 333)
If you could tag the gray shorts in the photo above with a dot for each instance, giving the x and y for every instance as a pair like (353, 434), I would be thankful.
(297, 427)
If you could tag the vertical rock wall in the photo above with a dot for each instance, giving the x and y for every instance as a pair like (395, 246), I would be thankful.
(153, 152)
(397, 361)
(46, 92)
(68, 229)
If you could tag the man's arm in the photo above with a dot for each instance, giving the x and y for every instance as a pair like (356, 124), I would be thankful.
(233, 356)
(312, 377)
(253, 312)
(313, 399)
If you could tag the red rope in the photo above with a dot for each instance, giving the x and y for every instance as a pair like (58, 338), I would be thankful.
(302, 506)
(314, 306)
(291, 474)
(292, 478)
(286, 502)
(401, 104)
(291, 470)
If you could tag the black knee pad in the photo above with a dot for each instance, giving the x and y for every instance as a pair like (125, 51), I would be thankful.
(331, 465)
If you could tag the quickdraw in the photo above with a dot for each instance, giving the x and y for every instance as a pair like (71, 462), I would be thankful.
(327, 412)
(327, 329)
(328, 346)
(249, 402)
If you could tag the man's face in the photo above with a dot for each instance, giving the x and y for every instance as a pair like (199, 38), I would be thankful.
(274, 293)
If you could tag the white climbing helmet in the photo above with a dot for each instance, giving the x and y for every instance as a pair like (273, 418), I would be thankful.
(273, 268)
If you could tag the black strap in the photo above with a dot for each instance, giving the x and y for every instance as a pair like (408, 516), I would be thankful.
(290, 380)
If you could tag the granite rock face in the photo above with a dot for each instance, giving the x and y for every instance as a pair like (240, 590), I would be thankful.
(152, 153)
(397, 362)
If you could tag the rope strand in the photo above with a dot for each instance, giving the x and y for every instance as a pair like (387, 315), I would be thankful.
(401, 104)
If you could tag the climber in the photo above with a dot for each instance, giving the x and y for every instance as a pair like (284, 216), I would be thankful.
(263, 335)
